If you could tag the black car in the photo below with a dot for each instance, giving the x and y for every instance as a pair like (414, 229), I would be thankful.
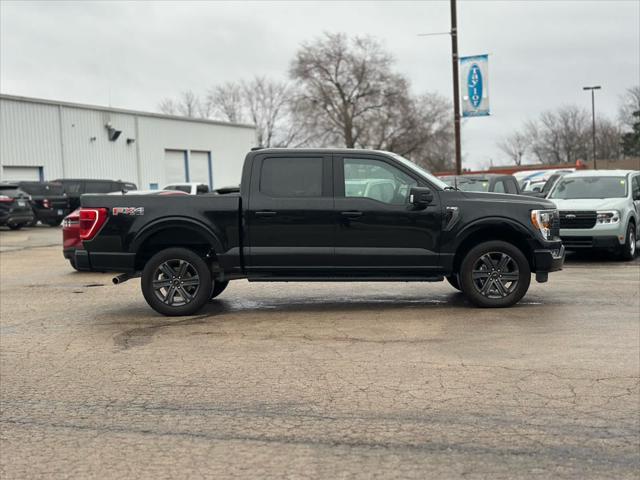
(15, 210)
(48, 201)
(75, 187)
(495, 183)
(322, 215)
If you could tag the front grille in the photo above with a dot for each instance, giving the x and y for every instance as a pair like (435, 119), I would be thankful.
(577, 242)
(555, 225)
(577, 219)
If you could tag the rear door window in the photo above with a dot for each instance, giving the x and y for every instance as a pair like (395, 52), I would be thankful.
(291, 177)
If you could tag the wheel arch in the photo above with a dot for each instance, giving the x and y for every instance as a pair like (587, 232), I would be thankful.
(485, 230)
(174, 232)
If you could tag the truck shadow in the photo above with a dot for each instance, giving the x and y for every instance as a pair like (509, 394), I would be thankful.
(264, 309)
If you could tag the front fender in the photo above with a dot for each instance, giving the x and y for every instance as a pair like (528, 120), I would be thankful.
(491, 223)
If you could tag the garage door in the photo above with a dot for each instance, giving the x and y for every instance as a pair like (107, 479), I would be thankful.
(199, 167)
(22, 173)
(174, 161)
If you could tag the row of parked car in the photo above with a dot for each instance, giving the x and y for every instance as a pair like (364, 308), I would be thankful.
(598, 209)
(25, 203)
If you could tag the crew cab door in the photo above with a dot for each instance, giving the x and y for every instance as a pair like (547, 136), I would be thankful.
(289, 218)
(377, 228)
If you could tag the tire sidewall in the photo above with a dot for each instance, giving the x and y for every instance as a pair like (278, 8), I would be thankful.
(466, 281)
(204, 274)
(626, 247)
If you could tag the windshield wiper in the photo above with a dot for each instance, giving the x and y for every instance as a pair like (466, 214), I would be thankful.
(450, 188)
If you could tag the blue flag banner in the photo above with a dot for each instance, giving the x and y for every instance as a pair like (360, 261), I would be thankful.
(474, 72)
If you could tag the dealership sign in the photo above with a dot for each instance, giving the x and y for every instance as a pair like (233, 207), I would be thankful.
(475, 85)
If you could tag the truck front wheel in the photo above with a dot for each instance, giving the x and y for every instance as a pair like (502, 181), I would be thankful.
(495, 274)
(176, 281)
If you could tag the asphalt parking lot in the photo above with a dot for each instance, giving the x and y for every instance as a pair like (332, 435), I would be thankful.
(367, 380)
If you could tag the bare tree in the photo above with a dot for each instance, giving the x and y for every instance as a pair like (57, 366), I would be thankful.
(168, 106)
(629, 103)
(227, 102)
(353, 98)
(560, 136)
(187, 104)
(266, 103)
(515, 145)
(345, 84)
(608, 140)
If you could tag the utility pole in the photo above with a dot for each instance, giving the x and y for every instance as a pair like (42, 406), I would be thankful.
(456, 86)
(593, 121)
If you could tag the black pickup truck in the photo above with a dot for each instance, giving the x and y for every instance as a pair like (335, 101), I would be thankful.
(322, 215)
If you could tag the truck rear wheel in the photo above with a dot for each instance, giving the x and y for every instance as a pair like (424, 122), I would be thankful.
(495, 274)
(176, 281)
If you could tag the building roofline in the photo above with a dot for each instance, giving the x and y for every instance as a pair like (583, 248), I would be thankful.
(17, 98)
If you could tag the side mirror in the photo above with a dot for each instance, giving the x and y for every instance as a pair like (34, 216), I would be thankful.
(420, 196)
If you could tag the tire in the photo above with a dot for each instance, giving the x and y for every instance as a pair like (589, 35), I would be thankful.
(454, 282)
(483, 271)
(176, 273)
(16, 226)
(53, 223)
(218, 288)
(628, 249)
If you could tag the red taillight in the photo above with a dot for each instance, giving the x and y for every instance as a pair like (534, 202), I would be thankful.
(46, 203)
(5, 199)
(91, 221)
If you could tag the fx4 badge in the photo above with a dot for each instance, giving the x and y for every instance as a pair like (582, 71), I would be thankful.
(127, 211)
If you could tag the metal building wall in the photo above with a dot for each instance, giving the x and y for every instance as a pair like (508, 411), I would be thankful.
(70, 140)
(30, 136)
(228, 146)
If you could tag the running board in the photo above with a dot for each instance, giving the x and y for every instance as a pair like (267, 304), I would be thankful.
(408, 278)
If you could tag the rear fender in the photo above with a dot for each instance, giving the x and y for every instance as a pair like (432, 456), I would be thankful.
(189, 225)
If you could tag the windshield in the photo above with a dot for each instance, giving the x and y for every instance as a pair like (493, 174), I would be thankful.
(590, 187)
(473, 185)
(420, 171)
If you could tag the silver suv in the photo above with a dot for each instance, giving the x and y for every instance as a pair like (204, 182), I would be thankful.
(599, 209)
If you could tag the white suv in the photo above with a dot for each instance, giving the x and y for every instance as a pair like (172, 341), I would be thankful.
(599, 209)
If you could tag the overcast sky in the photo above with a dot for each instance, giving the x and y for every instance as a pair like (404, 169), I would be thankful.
(133, 54)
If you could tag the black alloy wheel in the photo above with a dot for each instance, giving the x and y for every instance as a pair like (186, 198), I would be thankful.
(495, 274)
(176, 281)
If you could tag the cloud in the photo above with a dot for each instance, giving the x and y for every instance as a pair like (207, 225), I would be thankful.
(132, 54)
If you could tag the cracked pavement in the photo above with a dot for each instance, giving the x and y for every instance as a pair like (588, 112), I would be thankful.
(318, 380)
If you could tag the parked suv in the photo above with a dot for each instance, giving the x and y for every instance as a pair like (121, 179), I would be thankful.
(75, 187)
(15, 211)
(48, 201)
(599, 209)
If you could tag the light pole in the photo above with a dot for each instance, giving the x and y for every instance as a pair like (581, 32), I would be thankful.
(593, 121)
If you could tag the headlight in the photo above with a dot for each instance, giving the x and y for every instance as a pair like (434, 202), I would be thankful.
(608, 216)
(543, 221)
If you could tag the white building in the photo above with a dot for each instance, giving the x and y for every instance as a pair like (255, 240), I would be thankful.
(46, 140)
